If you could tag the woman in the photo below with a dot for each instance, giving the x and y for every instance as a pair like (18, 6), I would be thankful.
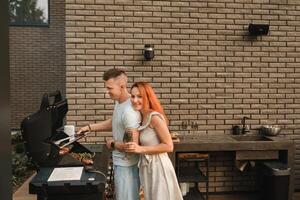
(157, 174)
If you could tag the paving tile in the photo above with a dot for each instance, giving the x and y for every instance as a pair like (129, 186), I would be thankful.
(22, 192)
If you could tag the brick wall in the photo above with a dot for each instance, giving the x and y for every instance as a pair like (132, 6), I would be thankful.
(225, 177)
(207, 69)
(37, 63)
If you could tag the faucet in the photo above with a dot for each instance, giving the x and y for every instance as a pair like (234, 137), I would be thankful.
(245, 128)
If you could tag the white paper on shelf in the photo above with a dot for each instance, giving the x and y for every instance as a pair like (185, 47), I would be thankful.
(66, 174)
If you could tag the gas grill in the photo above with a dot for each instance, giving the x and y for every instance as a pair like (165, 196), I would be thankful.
(62, 175)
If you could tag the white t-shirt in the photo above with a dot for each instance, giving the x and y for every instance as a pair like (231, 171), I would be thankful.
(124, 116)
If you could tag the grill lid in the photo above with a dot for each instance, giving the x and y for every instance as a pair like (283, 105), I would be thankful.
(58, 108)
(38, 127)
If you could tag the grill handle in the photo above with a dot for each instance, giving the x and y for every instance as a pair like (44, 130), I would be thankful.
(45, 99)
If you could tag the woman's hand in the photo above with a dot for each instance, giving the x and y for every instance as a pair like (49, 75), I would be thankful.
(132, 147)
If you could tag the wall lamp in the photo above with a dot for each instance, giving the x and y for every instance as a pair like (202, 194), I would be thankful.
(258, 29)
(148, 52)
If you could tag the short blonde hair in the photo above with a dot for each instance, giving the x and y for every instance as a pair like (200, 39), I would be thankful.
(113, 73)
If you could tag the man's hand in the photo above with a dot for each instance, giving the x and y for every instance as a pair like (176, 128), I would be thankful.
(82, 130)
(117, 145)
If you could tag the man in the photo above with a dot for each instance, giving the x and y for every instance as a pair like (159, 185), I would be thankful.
(126, 177)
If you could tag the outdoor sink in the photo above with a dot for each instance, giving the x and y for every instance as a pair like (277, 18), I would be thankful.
(251, 138)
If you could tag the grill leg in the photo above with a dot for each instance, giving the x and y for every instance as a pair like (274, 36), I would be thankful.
(110, 183)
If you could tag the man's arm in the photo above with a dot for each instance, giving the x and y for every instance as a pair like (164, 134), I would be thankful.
(121, 145)
(131, 121)
(101, 126)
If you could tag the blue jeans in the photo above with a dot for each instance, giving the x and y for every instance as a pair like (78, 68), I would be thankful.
(127, 182)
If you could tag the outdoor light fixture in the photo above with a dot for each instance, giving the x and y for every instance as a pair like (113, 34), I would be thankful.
(258, 29)
(148, 52)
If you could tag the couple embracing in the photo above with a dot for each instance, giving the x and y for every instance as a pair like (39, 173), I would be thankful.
(143, 161)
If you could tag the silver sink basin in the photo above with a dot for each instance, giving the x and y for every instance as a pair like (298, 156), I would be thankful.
(250, 138)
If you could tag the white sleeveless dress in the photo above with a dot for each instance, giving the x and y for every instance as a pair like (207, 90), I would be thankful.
(157, 173)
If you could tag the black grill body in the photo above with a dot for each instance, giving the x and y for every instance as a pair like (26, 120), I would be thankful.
(39, 131)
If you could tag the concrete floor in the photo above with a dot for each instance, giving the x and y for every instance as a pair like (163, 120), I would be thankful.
(22, 194)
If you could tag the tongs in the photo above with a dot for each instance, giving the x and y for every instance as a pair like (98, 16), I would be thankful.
(72, 139)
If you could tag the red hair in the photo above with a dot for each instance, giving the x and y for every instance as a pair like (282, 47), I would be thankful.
(150, 100)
